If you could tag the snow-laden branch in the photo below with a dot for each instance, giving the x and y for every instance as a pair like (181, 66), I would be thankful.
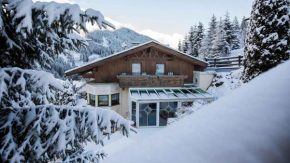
(38, 31)
(23, 87)
(47, 132)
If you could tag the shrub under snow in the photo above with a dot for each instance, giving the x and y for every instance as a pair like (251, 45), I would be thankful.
(225, 82)
(47, 132)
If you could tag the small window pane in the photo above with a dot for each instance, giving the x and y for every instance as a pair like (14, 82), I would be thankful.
(160, 69)
(115, 99)
(92, 100)
(136, 68)
(134, 112)
(103, 100)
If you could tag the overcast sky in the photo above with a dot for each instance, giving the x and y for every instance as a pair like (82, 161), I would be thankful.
(167, 20)
(168, 16)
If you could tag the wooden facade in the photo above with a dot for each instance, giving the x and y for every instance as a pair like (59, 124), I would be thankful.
(110, 69)
(151, 80)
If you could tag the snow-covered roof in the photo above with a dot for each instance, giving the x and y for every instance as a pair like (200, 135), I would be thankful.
(89, 64)
(186, 93)
(250, 124)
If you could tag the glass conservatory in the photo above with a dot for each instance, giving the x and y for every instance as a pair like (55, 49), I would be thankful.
(154, 106)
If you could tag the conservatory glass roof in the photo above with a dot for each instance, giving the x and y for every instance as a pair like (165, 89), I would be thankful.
(186, 93)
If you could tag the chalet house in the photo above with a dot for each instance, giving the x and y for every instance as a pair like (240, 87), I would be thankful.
(149, 81)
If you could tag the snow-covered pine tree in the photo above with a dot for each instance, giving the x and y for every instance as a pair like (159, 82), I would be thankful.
(268, 40)
(244, 28)
(212, 31)
(41, 133)
(192, 40)
(198, 39)
(206, 43)
(204, 51)
(228, 28)
(220, 47)
(179, 47)
(237, 34)
(32, 34)
(48, 133)
(20, 88)
(70, 94)
(185, 44)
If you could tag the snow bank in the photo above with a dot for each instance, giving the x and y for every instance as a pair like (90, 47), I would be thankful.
(225, 82)
(250, 124)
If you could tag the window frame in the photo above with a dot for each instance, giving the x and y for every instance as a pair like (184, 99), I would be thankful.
(159, 63)
(99, 100)
(93, 100)
(140, 67)
(118, 103)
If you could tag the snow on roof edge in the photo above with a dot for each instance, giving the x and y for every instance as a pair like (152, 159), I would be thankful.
(152, 41)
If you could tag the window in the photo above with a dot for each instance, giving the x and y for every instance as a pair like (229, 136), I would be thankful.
(167, 110)
(134, 112)
(103, 100)
(92, 100)
(115, 99)
(160, 69)
(147, 114)
(136, 68)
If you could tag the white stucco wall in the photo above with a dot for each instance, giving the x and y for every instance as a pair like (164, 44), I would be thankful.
(109, 89)
(102, 89)
(204, 79)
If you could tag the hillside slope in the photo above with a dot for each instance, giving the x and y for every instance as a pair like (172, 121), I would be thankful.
(250, 124)
(101, 44)
(107, 42)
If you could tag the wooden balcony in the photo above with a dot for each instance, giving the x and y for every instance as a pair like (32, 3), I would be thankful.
(151, 80)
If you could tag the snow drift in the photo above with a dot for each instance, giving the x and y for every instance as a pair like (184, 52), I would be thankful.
(250, 124)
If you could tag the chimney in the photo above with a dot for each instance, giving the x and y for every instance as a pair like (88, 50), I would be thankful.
(124, 45)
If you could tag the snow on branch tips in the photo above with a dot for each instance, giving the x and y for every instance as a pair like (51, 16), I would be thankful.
(42, 29)
(20, 87)
(47, 132)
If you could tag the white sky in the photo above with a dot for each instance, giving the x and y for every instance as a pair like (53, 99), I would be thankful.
(165, 20)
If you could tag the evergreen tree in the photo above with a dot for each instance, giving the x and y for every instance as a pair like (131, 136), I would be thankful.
(237, 34)
(268, 40)
(206, 43)
(192, 40)
(212, 31)
(220, 47)
(179, 46)
(185, 44)
(32, 34)
(205, 48)
(228, 28)
(244, 27)
(198, 39)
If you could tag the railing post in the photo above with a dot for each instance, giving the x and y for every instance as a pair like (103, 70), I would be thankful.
(240, 61)
(214, 62)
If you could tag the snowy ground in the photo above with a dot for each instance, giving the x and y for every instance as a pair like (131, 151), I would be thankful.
(118, 142)
(224, 82)
(237, 52)
(249, 124)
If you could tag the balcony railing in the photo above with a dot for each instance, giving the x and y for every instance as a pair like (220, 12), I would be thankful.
(151, 80)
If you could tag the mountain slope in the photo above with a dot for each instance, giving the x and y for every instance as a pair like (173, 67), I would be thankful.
(101, 44)
(107, 42)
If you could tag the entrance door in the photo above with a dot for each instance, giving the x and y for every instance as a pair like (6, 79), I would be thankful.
(147, 114)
